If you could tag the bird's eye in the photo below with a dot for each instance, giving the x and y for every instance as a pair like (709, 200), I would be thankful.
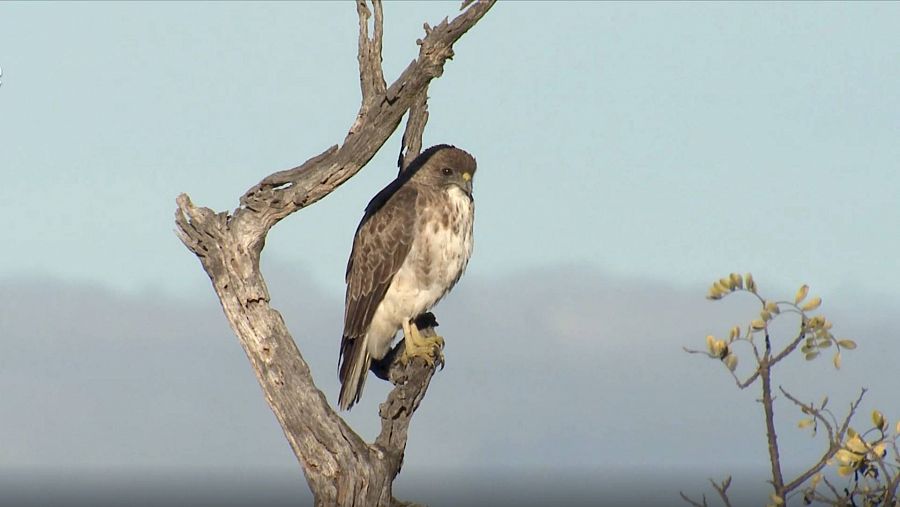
(447, 171)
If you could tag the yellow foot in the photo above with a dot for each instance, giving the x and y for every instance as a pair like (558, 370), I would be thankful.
(429, 348)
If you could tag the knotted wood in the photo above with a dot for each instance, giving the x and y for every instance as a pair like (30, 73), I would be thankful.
(339, 466)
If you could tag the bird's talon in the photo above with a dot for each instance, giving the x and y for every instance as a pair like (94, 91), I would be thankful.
(429, 348)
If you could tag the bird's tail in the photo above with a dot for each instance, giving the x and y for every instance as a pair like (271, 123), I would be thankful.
(354, 369)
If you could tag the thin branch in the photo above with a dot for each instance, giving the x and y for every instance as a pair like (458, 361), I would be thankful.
(834, 490)
(815, 496)
(791, 346)
(765, 374)
(811, 410)
(833, 446)
(756, 353)
(693, 502)
(741, 384)
(722, 490)
(749, 381)
(834, 421)
(834, 438)
(896, 449)
(853, 407)
(892, 487)
(886, 473)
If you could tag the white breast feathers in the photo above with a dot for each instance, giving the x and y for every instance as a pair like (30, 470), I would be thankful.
(437, 259)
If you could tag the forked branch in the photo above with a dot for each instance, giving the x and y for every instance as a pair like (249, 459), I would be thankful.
(340, 467)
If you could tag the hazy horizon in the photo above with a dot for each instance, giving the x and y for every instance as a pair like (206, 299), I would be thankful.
(628, 154)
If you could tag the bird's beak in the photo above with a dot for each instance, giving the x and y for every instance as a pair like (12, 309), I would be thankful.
(467, 177)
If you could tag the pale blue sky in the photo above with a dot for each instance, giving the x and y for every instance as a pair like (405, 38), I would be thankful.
(668, 141)
(628, 154)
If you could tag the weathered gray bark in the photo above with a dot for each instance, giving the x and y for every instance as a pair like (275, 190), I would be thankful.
(339, 466)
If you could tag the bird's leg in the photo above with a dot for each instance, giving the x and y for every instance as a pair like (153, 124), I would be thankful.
(429, 348)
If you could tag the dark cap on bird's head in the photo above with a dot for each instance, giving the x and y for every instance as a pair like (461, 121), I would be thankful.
(444, 165)
(430, 168)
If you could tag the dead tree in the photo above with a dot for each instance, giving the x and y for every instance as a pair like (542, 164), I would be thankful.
(339, 466)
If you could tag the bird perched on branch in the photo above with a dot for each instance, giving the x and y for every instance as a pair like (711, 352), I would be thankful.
(410, 249)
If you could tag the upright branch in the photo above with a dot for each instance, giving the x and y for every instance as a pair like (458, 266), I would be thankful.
(415, 125)
(768, 402)
(339, 466)
(371, 75)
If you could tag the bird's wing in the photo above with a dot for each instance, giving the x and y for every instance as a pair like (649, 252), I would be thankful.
(382, 242)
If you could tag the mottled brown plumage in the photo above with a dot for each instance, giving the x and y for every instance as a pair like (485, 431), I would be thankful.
(410, 249)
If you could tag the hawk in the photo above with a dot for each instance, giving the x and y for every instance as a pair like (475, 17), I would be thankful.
(410, 249)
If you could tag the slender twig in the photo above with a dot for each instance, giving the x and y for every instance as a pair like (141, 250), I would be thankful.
(834, 421)
(748, 382)
(886, 474)
(741, 384)
(756, 353)
(765, 374)
(722, 490)
(834, 490)
(853, 407)
(815, 496)
(892, 487)
(835, 435)
(833, 444)
(693, 502)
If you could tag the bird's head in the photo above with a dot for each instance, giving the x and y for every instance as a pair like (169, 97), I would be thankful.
(444, 166)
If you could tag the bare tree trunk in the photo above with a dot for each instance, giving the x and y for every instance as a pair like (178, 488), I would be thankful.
(339, 466)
